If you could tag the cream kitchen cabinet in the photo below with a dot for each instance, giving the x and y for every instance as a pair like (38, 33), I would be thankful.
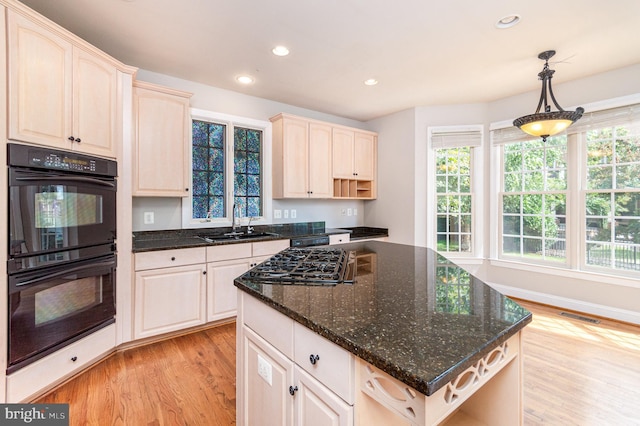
(353, 154)
(162, 129)
(289, 375)
(339, 238)
(227, 262)
(354, 163)
(60, 365)
(301, 158)
(170, 291)
(60, 94)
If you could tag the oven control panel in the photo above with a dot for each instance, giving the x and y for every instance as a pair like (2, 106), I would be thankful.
(51, 159)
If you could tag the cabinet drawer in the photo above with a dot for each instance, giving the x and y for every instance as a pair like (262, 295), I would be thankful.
(268, 323)
(228, 252)
(334, 367)
(339, 238)
(53, 368)
(169, 258)
(267, 248)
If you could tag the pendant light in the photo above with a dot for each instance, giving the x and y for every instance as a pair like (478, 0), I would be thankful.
(547, 123)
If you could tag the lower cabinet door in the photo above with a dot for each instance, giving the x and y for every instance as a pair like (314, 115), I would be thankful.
(221, 293)
(169, 299)
(267, 375)
(316, 405)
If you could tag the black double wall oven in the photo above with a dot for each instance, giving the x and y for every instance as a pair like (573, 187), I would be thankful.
(62, 254)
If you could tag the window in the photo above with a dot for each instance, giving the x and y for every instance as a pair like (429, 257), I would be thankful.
(452, 158)
(534, 199)
(247, 167)
(453, 194)
(208, 155)
(573, 201)
(612, 198)
(228, 167)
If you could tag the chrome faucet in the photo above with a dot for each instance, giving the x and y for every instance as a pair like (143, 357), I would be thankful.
(234, 225)
(249, 227)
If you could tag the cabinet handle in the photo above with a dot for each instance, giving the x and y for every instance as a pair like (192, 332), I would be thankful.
(173, 258)
(292, 390)
(313, 359)
(71, 138)
(74, 358)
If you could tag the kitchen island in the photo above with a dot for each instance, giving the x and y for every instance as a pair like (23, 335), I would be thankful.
(415, 340)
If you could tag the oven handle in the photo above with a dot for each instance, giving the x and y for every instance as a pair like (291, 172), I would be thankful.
(104, 263)
(58, 179)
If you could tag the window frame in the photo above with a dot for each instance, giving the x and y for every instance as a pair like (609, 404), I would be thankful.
(230, 121)
(477, 185)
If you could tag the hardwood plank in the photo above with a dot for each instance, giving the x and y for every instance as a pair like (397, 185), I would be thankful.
(578, 373)
(575, 373)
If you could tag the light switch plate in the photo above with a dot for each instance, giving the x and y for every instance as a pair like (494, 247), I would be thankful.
(277, 214)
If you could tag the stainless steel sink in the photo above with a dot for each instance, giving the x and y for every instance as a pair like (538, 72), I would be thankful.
(236, 236)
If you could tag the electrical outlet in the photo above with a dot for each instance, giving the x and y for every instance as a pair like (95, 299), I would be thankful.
(286, 214)
(343, 212)
(355, 212)
(148, 218)
(277, 214)
(294, 214)
(349, 212)
(264, 369)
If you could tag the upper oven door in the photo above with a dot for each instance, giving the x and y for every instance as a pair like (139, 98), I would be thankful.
(52, 212)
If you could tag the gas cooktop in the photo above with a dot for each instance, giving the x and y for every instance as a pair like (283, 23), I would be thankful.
(306, 266)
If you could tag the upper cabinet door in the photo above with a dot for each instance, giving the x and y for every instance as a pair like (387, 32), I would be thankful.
(364, 156)
(295, 158)
(343, 154)
(94, 104)
(162, 154)
(320, 182)
(40, 92)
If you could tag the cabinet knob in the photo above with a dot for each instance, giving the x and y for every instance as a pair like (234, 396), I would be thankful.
(292, 390)
(173, 258)
(314, 358)
(78, 140)
(71, 138)
(74, 358)
(186, 190)
(204, 272)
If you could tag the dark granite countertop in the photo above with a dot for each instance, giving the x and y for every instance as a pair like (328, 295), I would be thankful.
(187, 238)
(411, 312)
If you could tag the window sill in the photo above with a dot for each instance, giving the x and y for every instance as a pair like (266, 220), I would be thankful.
(620, 280)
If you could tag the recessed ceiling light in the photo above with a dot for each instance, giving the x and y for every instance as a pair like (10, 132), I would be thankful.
(371, 82)
(244, 79)
(280, 51)
(508, 21)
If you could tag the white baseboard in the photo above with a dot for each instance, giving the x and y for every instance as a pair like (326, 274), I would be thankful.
(571, 304)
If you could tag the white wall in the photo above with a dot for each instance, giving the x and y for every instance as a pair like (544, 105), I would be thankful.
(167, 211)
(402, 196)
(395, 206)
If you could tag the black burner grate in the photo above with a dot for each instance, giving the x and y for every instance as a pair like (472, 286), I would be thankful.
(305, 265)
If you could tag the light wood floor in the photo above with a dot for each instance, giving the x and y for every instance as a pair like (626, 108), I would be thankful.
(576, 373)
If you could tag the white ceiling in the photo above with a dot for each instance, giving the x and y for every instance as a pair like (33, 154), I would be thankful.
(423, 52)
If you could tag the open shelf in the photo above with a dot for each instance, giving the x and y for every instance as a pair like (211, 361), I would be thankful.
(351, 188)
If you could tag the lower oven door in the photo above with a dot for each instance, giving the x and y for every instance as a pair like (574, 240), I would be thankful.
(53, 307)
